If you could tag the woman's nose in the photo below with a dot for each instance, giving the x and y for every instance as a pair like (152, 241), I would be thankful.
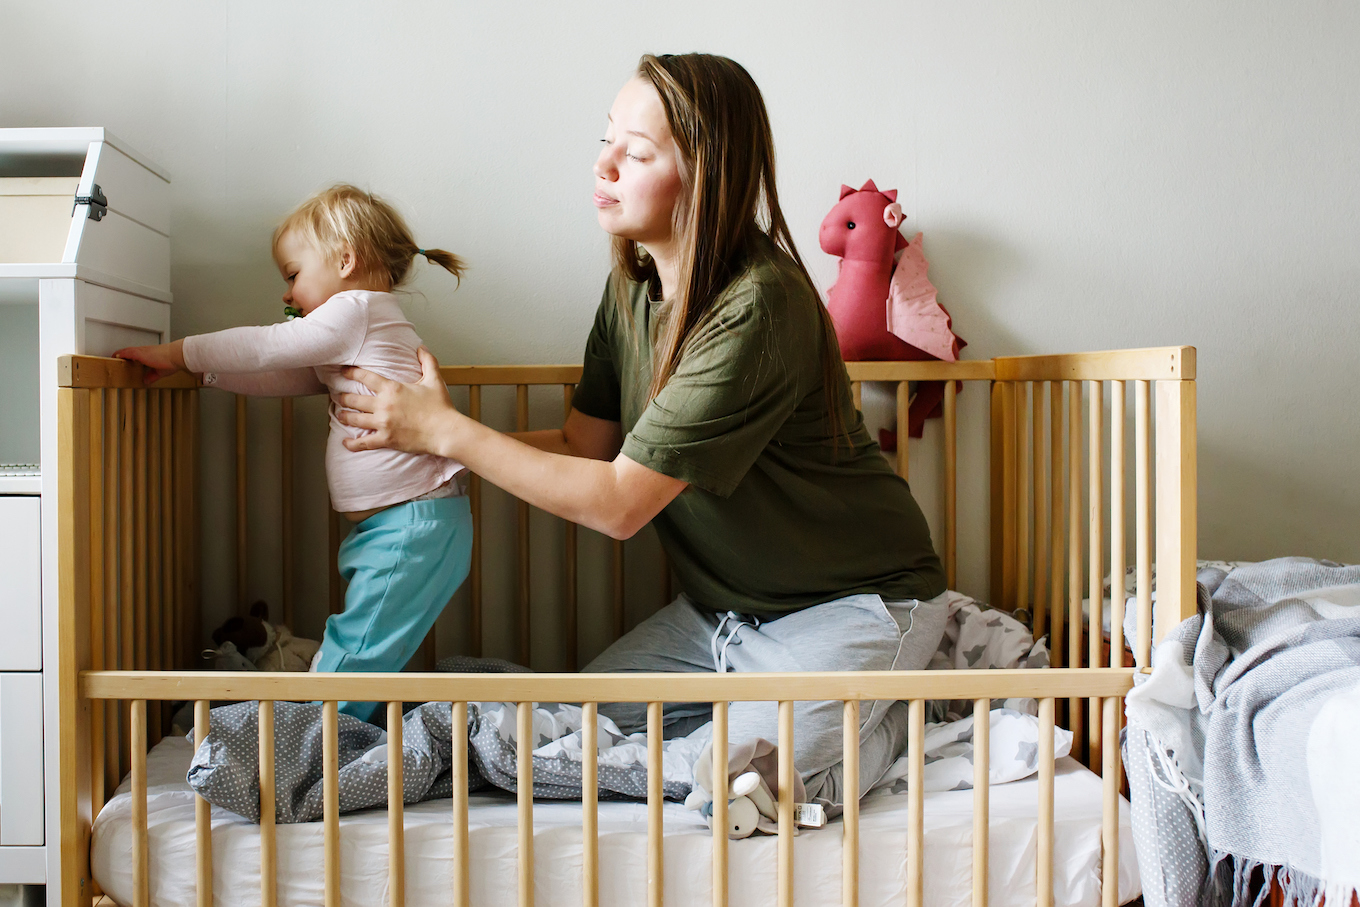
(604, 166)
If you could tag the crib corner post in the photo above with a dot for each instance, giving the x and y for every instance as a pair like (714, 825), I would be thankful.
(73, 792)
(1177, 511)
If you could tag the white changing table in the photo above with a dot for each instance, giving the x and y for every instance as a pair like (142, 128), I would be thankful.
(84, 268)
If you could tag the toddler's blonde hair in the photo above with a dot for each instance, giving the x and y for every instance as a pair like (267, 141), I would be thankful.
(346, 215)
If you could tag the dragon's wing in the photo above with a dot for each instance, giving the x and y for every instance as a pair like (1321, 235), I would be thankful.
(914, 313)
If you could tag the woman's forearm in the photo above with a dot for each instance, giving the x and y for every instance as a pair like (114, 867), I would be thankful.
(586, 491)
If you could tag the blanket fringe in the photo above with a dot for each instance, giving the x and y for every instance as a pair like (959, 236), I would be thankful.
(1233, 885)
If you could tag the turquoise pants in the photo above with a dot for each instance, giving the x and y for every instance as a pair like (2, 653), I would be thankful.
(403, 564)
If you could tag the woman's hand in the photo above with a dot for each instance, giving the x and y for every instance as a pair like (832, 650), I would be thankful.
(161, 360)
(415, 417)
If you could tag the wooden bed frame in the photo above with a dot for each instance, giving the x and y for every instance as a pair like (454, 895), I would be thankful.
(129, 600)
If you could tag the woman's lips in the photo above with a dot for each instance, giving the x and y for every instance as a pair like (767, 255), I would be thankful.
(604, 201)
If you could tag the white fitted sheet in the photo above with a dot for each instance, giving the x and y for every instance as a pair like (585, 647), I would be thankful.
(623, 850)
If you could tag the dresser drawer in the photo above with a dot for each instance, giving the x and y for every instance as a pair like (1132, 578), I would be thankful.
(21, 759)
(20, 584)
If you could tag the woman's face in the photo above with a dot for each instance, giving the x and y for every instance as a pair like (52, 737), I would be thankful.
(637, 175)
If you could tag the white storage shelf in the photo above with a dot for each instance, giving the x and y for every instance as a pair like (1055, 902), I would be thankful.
(84, 268)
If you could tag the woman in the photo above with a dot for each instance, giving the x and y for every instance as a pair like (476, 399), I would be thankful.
(715, 405)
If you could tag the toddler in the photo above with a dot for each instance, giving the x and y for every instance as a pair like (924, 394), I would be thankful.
(341, 254)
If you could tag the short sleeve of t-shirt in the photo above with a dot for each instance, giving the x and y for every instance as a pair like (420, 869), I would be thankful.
(736, 385)
(597, 393)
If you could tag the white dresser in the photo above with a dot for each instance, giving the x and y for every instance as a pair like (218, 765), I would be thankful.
(84, 268)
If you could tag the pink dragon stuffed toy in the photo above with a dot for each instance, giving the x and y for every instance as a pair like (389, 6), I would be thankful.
(883, 304)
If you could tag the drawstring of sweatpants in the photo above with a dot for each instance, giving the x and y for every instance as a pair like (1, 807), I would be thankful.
(719, 650)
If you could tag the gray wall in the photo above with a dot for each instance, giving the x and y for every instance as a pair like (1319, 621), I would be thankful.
(1088, 175)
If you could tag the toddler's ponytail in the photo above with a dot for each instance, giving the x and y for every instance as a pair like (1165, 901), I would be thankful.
(446, 260)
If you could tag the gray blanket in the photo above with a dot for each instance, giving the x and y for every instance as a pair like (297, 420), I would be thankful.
(225, 769)
(1241, 744)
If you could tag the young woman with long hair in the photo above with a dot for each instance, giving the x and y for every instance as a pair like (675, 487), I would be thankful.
(715, 405)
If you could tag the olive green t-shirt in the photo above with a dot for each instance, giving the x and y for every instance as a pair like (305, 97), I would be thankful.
(776, 517)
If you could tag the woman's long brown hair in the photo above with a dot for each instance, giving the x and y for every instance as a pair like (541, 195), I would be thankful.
(727, 202)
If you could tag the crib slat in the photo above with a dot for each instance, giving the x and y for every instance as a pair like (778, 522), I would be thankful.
(242, 520)
(1058, 529)
(1042, 504)
(461, 864)
(1109, 780)
(522, 534)
(155, 603)
(112, 556)
(903, 435)
(1095, 583)
(719, 787)
(982, 789)
(619, 621)
(1022, 471)
(269, 862)
(1008, 493)
(996, 451)
(169, 601)
(139, 545)
(569, 607)
(286, 505)
(127, 562)
(202, 816)
(785, 868)
(1043, 873)
(396, 820)
(916, 771)
(141, 895)
(1074, 555)
(1142, 495)
(330, 797)
(656, 864)
(475, 503)
(193, 550)
(951, 483)
(850, 815)
(1117, 547)
(524, 787)
(97, 592)
(590, 805)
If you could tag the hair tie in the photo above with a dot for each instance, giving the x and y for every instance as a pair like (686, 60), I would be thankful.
(421, 252)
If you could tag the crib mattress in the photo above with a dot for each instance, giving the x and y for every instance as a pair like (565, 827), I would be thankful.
(623, 850)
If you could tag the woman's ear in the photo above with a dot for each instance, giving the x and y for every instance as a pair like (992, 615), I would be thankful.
(348, 262)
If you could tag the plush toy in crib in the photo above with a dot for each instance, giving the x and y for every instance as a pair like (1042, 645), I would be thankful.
(252, 643)
(883, 304)
(750, 806)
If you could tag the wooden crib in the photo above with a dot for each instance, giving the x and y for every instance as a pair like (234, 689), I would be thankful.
(129, 599)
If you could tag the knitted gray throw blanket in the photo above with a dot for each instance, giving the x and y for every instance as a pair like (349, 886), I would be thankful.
(1242, 744)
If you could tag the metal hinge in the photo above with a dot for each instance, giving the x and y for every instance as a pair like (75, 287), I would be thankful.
(99, 205)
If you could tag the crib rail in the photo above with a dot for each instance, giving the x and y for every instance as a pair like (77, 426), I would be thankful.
(1038, 473)
(1108, 685)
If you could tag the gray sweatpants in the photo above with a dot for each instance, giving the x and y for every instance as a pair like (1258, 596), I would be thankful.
(856, 633)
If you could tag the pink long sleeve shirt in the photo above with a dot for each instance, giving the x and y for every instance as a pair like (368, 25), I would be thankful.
(305, 356)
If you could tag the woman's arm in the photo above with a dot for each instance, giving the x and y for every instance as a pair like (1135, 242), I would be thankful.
(615, 496)
(580, 436)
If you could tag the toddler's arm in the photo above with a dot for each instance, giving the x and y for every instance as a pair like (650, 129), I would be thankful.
(331, 335)
(167, 358)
